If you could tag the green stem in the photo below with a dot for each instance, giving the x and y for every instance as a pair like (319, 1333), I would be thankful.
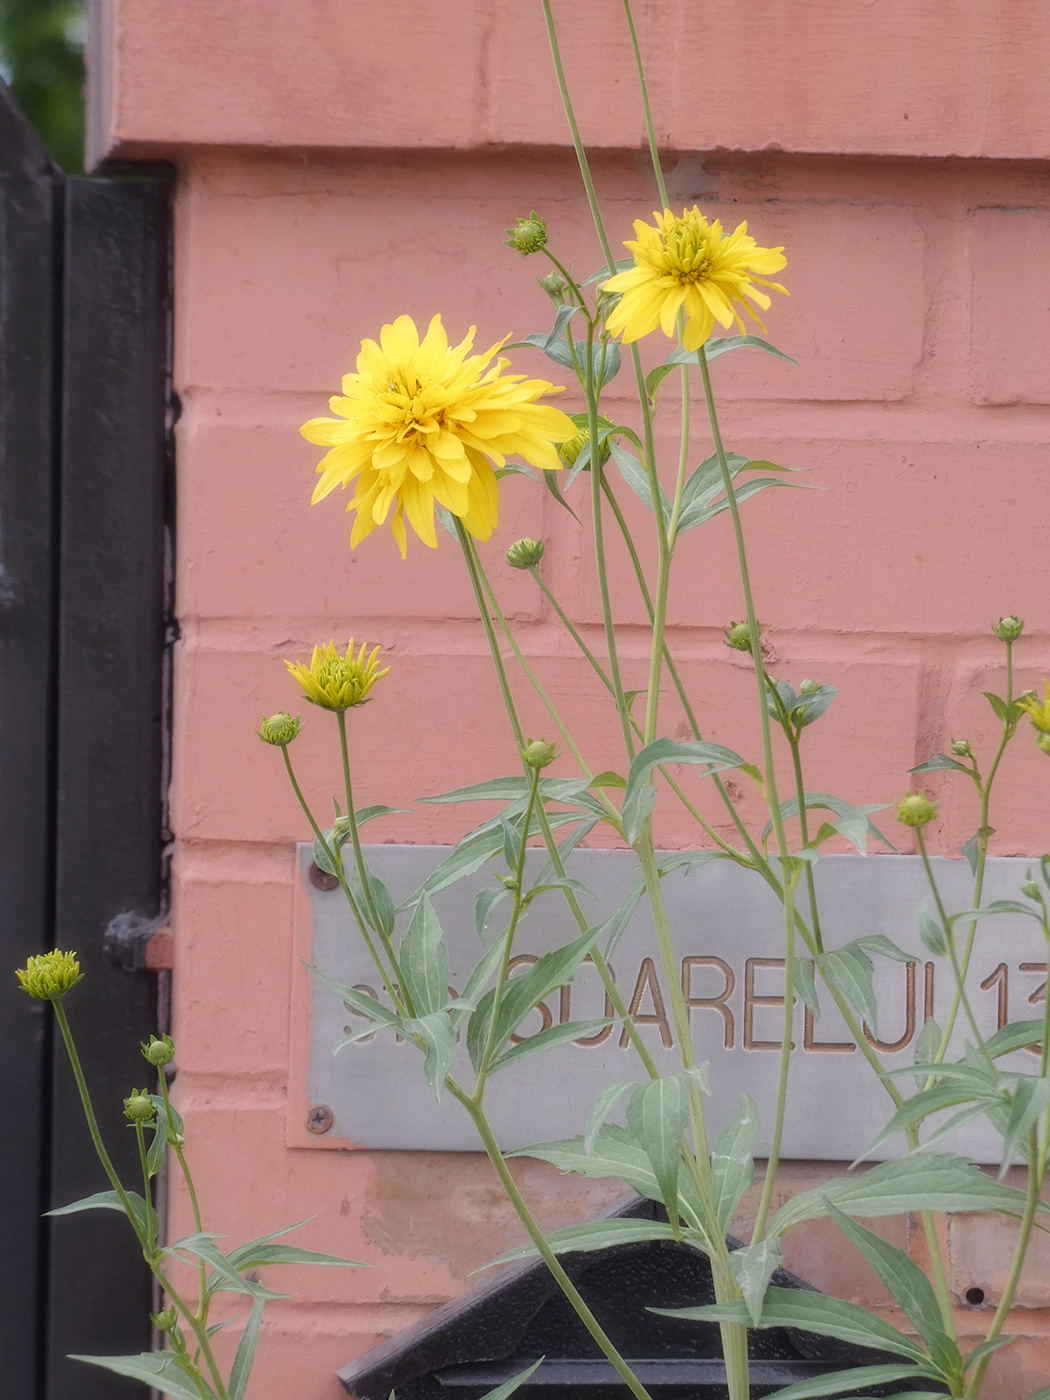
(508, 940)
(949, 938)
(654, 153)
(335, 857)
(92, 1122)
(191, 1190)
(199, 1330)
(147, 1189)
(773, 1160)
(548, 1256)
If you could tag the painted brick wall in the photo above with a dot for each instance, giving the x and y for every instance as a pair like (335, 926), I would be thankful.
(338, 168)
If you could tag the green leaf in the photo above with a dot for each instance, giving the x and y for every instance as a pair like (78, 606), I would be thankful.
(562, 317)
(909, 1287)
(852, 822)
(999, 706)
(484, 903)
(931, 932)
(922, 1181)
(550, 480)
(614, 1154)
(941, 760)
(437, 1034)
(590, 1236)
(811, 1312)
(636, 478)
(656, 1117)
(926, 1045)
(1030, 1099)
(558, 351)
(202, 1246)
(985, 1349)
(500, 1392)
(508, 789)
(604, 1104)
(511, 842)
(548, 1039)
(753, 1267)
(155, 1368)
(850, 970)
(423, 958)
(608, 779)
(144, 1222)
(850, 1380)
(721, 344)
(101, 1200)
(383, 919)
(482, 844)
(360, 1002)
(700, 516)
(927, 1101)
(732, 1161)
(612, 929)
(1042, 1394)
(620, 265)
(242, 1362)
(639, 796)
(477, 981)
(1014, 1037)
(996, 906)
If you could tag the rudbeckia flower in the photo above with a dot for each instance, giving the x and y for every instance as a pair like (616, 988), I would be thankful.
(423, 422)
(686, 264)
(338, 682)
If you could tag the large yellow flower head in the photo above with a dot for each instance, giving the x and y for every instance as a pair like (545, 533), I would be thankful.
(686, 264)
(338, 682)
(422, 422)
(50, 976)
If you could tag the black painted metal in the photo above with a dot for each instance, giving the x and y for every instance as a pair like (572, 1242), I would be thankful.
(84, 311)
(108, 813)
(499, 1328)
(29, 234)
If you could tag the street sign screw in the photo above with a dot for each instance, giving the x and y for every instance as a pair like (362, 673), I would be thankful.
(319, 1119)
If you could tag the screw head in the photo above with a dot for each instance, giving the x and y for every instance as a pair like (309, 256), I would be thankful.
(319, 1118)
(321, 878)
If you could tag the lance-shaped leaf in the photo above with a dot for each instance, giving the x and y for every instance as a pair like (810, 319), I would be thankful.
(512, 788)
(699, 515)
(484, 903)
(501, 1392)
(753, 1267)
(1014, 1037)
(614, 1153)
(939, 761)
(154, 1368)
(639, 795)
(908, 1286)
(732, 1161)
(852, 822)
(242, 1362)
(855, 1377)
(850, 970)
(358, 1001)
(1030, 1099)
(656, 1117)
(636, 477)
(589, 1237)
(478, 980)
(224, 1276)
(423, 958)
(145, 1221)
(922, 1181)
(811, 1312)
(548, 1039)
(942, 1095)
(604, 1104)
(930, 931)
(482, 844)
(257, 1253)
(439, 1038)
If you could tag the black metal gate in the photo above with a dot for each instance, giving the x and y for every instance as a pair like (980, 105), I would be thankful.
(84, 512)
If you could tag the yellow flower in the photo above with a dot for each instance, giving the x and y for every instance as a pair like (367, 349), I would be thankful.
(1038, 710)
(338, 682)
(423, 424)
(690, 265)
(50, 976)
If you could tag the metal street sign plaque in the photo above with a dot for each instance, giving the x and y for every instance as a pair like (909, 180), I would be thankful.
(729, 939)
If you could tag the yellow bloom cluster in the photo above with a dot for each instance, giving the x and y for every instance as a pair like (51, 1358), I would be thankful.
(49, 976)
(338, 682)
(422, 422)
(687, 264)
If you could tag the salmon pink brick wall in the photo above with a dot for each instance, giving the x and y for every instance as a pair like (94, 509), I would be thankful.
(340, 163)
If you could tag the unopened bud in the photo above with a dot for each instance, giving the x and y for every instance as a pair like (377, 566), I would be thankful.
(528, 236)
(159, 1050)
(279, 729)
(1032, 891)
(139, 1106)
(164, 1320)
(555, 285)
(809, 687)
(1008, 629)
(538, 753)
(525, 554)
(50, 976)
(738, 636)
(915, 809)
(961, 748)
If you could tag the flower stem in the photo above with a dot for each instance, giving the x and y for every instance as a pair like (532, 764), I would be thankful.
(654, 153)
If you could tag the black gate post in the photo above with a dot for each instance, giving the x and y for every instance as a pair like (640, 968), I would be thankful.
(109, 810)
(29, 228)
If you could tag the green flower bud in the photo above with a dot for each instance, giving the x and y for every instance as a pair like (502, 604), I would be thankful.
(279, 729)
(555, 285)
(139, 1106)
(529, 236)
(159, 1050)
(525, 554)
(961, 748)
(1008, 629)
(50, 976)
(571, 449)
(915, 809)
(809, 687)
(164, 1320)
(538, 753)
(1031, 890)
(738, 636)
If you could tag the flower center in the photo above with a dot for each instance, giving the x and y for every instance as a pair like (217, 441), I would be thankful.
(689, 250)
